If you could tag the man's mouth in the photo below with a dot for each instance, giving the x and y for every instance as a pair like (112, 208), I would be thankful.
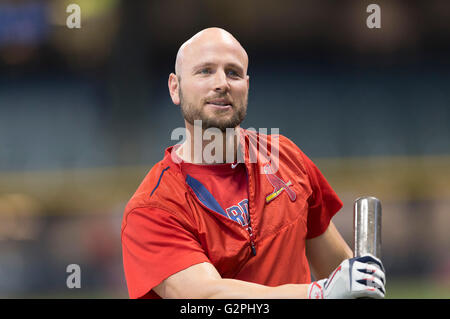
(220, 103)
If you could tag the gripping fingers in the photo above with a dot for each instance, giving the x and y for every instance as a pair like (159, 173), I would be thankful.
(369, 280)
(368, 288)
(373, 270)
(373, 283)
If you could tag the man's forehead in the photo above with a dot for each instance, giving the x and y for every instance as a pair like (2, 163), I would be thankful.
(210, 41)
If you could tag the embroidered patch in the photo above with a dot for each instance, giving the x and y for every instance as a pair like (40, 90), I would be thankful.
(278, 184)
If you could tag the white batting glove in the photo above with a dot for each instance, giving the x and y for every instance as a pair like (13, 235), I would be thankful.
(360, 277)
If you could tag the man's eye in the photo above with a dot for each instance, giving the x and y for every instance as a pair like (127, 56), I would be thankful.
(233, 73)
(205, 71)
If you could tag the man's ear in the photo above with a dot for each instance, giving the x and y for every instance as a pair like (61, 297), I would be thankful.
(174, 88)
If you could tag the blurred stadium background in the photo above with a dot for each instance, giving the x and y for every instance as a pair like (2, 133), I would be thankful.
(84, 114)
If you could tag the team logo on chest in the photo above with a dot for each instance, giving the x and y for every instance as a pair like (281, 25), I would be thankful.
(278, 184)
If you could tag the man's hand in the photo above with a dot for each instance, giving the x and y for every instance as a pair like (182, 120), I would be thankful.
(361, 277)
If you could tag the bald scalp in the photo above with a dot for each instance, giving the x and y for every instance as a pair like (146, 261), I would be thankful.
(209, 35)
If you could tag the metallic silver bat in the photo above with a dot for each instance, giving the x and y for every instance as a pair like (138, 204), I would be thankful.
(367, 226)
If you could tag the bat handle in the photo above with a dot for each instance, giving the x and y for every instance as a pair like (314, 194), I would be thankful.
(367, 226)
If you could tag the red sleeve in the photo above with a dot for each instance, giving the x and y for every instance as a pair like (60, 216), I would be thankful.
(155, 245)
(323, 202)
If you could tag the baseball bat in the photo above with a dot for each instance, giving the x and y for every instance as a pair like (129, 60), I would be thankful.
(367, 226)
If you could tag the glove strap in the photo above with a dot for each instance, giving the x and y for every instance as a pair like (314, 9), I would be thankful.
(315, 290)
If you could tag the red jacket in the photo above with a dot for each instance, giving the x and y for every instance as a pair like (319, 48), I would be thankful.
(170, 223)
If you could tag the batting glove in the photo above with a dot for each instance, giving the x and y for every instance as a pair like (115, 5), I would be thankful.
(360, 277)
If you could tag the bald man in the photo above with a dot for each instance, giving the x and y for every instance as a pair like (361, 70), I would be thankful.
(236, 227)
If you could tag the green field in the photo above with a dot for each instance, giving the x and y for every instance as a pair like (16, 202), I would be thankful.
(416, 290)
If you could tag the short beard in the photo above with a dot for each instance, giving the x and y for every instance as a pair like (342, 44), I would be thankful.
(192, 113)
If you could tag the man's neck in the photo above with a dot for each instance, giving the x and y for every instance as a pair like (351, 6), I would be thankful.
(209, 146)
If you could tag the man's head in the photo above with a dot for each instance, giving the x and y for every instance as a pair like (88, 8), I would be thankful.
(210, 81)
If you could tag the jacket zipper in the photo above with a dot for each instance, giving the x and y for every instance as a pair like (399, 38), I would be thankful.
(252, 243)
(250, 232)
(250, 228)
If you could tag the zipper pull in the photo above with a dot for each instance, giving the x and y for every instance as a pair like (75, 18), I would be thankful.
(252, 246)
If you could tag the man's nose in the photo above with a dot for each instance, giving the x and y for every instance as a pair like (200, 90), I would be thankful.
(221, 84)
